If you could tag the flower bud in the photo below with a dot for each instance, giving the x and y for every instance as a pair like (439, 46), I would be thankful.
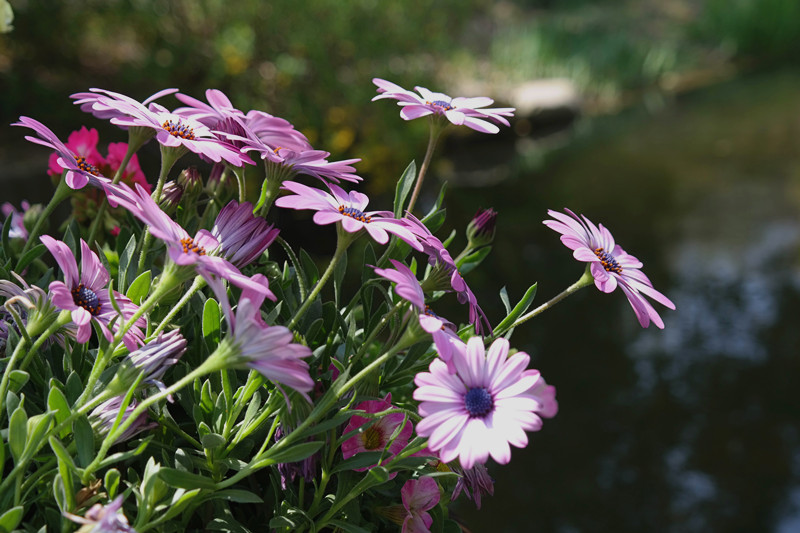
(190, 180)
(171, 195)
(480, 231)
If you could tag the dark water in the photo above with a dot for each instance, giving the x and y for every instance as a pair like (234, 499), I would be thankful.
(695, 428)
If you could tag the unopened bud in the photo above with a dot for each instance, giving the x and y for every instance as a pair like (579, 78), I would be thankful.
(171, 195)
(480, 231)
(190, 180)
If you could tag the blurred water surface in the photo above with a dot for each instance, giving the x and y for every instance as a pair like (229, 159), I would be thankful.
(697, 427)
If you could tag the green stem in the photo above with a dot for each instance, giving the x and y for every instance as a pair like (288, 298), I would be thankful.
(374, 333)
(198, 284)
(101, 211)
(169, 155)
(435, 131)
(239, 172)
(18, 350)
(296, 262)
(61, 193)
(342, 243)
(585, 280)
(64, 318)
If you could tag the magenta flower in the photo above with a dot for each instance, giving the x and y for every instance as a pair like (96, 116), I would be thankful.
(84, 294)
(408, 288)
(377, 436)
(133, 171)
(486, 405)
(83, 143)
(610, 266)
(182, 248)
(269, 350)
(439, 257)
(347, 209)
(419, 496)
(17, 230)
(79, 170)
(242, 236)
(470, 112)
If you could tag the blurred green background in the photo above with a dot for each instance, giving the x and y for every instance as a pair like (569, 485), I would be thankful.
(673, 122)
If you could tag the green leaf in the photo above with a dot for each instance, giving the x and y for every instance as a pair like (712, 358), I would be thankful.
(212, 440)
(56, 401)
(435, 220)
(111, 482)
(18, 432)
(11, 518)
(8, 251)
(66, 466)
(127, 268)
(211, 322)
(297, 452)
(84, 440)
(38, 426)
(122, 456)
(346, 526)
(235, 495)
(404, 186)
(138, 290)
(339, 419)
(359, 460)
(518, 310)
(309, 268)
(12, 400)
(474, 259)
(505, 300)
(74, 387)
(338, 277)
(282, 521)
(185, 480)
(30, 256)
(17, 380)
(179, 501)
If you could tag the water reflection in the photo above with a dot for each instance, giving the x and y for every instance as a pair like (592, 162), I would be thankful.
(697, 427)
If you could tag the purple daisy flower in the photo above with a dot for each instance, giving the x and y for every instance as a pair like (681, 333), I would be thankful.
(157, 356)
(268, 349)
(104, 415)
(101, 103)
(17, 230)
(377, 436)
(470, 112)
(84, 294)
(276, 132)
(79, 170)
(611, 266)
(242, 236)
(419, 496)
(486, 405)
(104, 518)
(218, 109)
(440, 258)
(408, 288)
(182, 248)
(347, 209)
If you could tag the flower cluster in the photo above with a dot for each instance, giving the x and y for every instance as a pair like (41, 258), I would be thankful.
(212, 344)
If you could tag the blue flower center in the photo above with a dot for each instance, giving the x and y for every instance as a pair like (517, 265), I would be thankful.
(478, 402)
(441, 105)
(179, 130)
(85, 166)
(608, 261)
(352, 212)
(86, 298)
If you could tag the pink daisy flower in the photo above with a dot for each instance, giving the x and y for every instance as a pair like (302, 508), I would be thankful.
(470, 112)
(102, 104)
(79, 170)
(182, 248)
(611, 266)
(276, 132)
(346, 209)
(419, 496)
(408, 288)
(486, 405)
(242, 236)
(17, 230)
(376, 437)
(84, 294)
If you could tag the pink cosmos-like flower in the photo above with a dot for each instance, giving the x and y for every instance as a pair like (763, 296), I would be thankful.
(377, 436)
(419, 496)
(486, 405)
(182, 249)
(347, 209)
(17, 230)
(610, 266)
(439, 257)
(79, 170)
(470, 112)
(408, 288)
(133, 171)
(242, 236)
(85, 295)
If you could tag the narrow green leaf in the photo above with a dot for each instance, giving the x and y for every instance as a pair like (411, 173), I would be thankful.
(74, 387)
(56, 401)
(7, 249)
(17, 380)
(505, 300)
(179, 502)
(12, 400)
(38, 426)
(212, 440)
(138, 290)
(185, 480)
(518, 310)
(435, 220)
(404, 186)
(30, 256)
(235, 495)
(474, 259)
(338, 278)
(297, 452)
(359, 460)
(18, 432)
(309, 268)
(211, 322)
(127, 267)
(348, 527)
(111, 482)
(84, 440)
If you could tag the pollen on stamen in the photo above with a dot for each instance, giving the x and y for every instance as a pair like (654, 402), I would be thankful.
(608, 261)
(179, 130)
(354, 213)
(188, 245)
(84, 165)
(441, 104)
